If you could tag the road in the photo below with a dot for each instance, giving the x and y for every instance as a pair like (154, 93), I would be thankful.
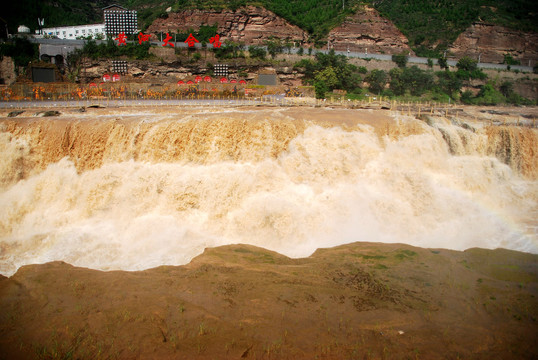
(351, 54)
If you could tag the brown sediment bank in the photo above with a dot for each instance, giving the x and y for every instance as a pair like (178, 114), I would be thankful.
(363, 300)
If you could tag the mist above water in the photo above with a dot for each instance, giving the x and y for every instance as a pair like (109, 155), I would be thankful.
(134, 194)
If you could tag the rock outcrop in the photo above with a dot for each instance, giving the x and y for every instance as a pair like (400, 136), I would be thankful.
(367, 31)
(7, 71)
(251, 25)
(492, 42)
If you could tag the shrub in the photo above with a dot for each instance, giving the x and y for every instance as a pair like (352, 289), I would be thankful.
(274, 46)
(443, 64)
(488, 95)
(321, 88)
(509, 60)
(466, 97)
(467, 64)
(400, 60)
(257, 52)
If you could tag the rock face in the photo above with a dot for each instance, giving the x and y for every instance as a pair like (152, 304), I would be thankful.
(251, 25)
(367, 31)
(493, 42)
(7, 71)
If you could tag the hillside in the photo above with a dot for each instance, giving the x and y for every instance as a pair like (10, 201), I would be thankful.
(430, 26)
(433, 25)
(55, 12)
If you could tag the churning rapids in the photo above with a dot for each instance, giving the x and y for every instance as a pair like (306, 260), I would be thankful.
(133, 189)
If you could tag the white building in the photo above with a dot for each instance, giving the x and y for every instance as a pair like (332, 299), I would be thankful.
(23, 29)
(74, 32)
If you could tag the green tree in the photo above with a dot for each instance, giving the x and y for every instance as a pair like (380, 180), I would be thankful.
(417, 81)
(448, 82)
(376, 80)
(509, 60)
(21, 50)
(328, 76)
(320, 88)
(397, 85)
(443, 64)
(274, 46)
(347, 74)
(467, 64)
(467, 97)
(257, 52)
(400, 59)
(205, 32)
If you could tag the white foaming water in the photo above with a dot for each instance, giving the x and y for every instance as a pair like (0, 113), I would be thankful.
(330, 187)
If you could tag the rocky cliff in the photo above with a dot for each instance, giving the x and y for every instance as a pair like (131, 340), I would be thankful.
(493, 42)
(367, 31)
(251, 25)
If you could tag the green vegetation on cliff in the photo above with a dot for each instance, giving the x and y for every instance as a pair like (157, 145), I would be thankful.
(429, 25)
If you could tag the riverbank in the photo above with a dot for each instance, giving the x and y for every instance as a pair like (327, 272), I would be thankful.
(362, 300)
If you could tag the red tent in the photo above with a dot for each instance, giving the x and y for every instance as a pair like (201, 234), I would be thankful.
(233, 81)
(92, 84)
(190, 82)
(242, 82)
(180, 82)
(207, 79)
(197, 79)
(106, 77)
(115, 77)
(223, 80)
